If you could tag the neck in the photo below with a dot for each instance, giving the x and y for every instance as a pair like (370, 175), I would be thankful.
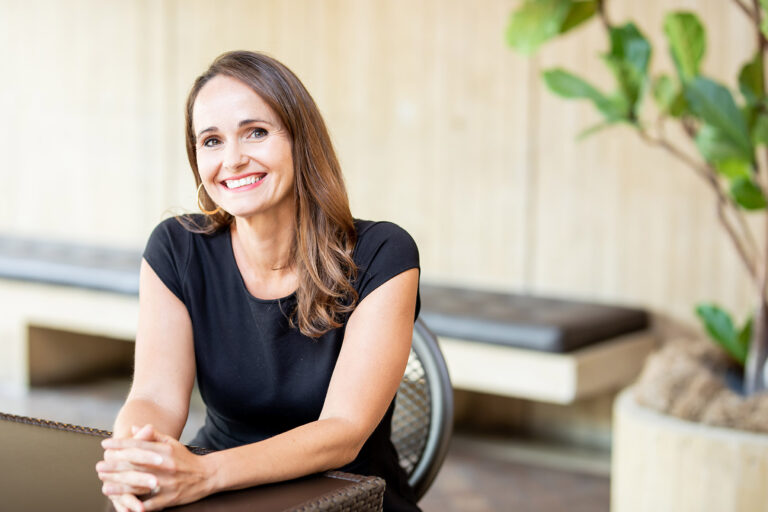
(263, 243)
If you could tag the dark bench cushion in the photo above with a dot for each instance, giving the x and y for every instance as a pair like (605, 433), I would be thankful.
(99, 268)
(537, 323)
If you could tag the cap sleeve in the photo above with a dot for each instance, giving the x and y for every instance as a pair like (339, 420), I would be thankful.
(383, 251)
(167, 252)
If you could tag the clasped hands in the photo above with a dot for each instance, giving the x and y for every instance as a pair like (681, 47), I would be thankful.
(151, 471)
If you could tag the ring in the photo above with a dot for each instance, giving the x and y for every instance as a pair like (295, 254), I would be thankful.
(155, 490)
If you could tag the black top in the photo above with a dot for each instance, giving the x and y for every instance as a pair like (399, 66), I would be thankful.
(257, 376)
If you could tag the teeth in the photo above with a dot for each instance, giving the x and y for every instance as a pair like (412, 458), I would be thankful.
(243, 181)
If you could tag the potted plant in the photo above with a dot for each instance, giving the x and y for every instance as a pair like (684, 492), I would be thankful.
(729, 134)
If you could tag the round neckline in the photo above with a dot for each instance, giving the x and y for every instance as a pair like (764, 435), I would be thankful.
(231, 251)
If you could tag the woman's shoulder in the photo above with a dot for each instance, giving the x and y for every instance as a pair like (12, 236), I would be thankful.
(383, 250)
(185, 226)
(379, 230)
(376, 238)
(179, 234)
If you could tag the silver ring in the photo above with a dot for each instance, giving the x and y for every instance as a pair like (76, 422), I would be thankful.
(154, 490)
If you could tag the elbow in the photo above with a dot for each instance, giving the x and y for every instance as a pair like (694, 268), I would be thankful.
(350, 452)
(353, 440)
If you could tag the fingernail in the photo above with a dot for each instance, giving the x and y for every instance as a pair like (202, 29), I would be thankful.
(158, 459)
(153, 482)
(107, 443)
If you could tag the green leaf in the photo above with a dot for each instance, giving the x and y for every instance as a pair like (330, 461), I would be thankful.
(714, 104)
(538, 21)
(764, 17)
(664, 92)
(592, 130)
(687, 42)
(579, 13)
(628, 58)
(751, 80)
(745, 335)
(570, 86)
(535, 22)
(733, 168)
(747, 194)
(760, 130)
(669, 96)
(715, 146)
(720, 328)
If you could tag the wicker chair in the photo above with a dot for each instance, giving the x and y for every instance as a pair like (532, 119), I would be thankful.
(423, 418)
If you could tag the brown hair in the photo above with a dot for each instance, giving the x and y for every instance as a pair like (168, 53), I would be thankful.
(325, 233)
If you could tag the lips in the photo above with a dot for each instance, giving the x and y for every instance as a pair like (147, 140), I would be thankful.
(244, 182)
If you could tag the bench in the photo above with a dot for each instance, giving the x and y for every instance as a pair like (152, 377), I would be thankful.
(522, 346)
(63, 287)
(536, 348)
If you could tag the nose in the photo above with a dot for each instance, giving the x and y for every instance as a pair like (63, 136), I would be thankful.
(234, 157)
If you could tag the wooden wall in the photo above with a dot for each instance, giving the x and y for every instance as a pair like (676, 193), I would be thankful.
(440, 127)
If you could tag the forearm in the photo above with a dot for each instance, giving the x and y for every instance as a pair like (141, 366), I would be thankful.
(311, 448)
(139, 412)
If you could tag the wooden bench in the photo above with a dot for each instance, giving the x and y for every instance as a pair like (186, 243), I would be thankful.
(529, 347)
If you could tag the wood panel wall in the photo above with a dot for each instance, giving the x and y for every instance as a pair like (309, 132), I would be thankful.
(439, 126)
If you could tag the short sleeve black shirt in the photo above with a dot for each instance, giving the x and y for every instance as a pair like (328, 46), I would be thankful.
(258, 376)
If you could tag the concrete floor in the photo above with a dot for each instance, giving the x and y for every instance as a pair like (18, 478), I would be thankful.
(480, 474)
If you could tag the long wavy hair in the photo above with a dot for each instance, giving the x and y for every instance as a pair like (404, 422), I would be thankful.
(325, 233)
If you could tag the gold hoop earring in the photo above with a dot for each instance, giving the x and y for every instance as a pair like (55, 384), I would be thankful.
(200, 204)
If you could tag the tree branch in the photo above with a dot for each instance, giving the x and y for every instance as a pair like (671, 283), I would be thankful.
(750, 14)
(708, 174)
(751, 248)
(603, 15)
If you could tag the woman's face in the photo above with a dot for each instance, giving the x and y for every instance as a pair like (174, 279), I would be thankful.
(243, 151)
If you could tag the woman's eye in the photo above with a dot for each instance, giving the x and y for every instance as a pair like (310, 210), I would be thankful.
(210, 142)
(259, 133)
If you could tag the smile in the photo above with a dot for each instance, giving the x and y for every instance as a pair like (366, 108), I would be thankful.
(242, 182)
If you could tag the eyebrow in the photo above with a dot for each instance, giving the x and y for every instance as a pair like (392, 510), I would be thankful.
(240, 124)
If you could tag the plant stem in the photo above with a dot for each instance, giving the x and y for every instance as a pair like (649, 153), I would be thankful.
(724, 199)
(761, 49)
(708, 174)
(603, 15)
(747, 11)
(754, 380)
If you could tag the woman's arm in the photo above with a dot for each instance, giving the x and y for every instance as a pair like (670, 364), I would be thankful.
(162, 385)
(164, 369)
(368, 372)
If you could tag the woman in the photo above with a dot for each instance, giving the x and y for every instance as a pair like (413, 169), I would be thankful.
(295, 318)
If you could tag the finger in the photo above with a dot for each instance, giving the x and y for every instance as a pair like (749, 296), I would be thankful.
(115, 467)
(119, 507)
(134, 456)
(146, 481)
(121, 444)
(147, 433)
(118, 503)
(129, 442)
(117, 489)
(131, 503)
(155, 503)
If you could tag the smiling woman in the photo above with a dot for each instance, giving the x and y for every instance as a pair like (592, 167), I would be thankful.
(295, 317)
